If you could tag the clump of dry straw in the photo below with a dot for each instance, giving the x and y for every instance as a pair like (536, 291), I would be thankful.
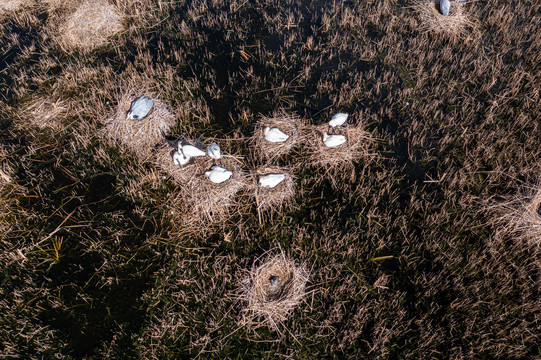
(90, 25)
(457, 24)
(276, 199)
(45, 112)
(13, 5)
(290, 125)
(520, 217)
(271, 289)
(200, 201)
(138, 135)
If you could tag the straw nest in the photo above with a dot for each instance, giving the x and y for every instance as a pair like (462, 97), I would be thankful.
(90, 25)
(358, 145)
(200, 201)
(141, 135)
(271, 289)
(290, 125)
(277, 198)
(457, 24)
(45, 112)
(520, 216)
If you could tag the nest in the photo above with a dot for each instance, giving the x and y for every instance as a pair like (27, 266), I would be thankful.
(90, 25)
(138, 135)
(358, 145)
(520, 217)
(289, 124)
(276, 199)
(457, 23)
(200, 201)
(271, 291)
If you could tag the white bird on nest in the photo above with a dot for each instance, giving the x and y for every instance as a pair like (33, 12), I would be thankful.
(333, 141)
(338, 119)
(179, 158)
(274, 135)
(444, 7)
(214, 152)
(270, 181)
(192, 151)
(140, 107)
(218, 174)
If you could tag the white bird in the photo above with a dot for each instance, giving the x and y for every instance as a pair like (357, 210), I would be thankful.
(333, 140)
(218, 174)
(179, 158)
(140, 107)
(274, 135)
(214, 152)
(270, 181)
(338, 119)
(192, 151)
(444, 7)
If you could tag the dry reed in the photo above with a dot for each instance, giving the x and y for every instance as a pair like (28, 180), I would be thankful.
(271, 289)
(13, 5)
(45, 112)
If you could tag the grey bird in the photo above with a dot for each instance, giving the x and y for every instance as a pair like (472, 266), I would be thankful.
(444, 7)
(140, 107)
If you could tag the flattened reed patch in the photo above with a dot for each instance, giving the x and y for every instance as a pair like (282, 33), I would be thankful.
(519, 217)
(290, 125)
(199, 201)
(90, 25)
(271, 289)
(13, 5)
(138, 135)
(45, 112)
(457, 24)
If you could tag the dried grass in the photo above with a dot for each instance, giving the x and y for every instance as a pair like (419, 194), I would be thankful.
(138, 136)
(290, 125)
(89, 26)
(276, 199)
(200, 202)
(458, 24)
(267, 304)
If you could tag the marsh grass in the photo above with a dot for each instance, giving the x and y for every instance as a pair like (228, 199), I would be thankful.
(458, 24)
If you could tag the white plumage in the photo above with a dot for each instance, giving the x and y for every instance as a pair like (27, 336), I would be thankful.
(444, 7)
(218, 174)
(333, 140)
(338, 119)
(192, 151)
(180, 159)
(274, 135)
(214, 151)
(140, 107)
(271, 181)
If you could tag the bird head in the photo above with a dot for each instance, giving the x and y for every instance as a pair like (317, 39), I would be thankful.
(266, 130)
(325, 136)
(131, 116)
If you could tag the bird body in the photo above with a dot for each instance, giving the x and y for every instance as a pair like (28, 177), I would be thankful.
(192, 151)
(274, 135)
(214, 151)
(218, 174)
(333, 140)
(444, 7)
(338, 119)
(140, 107)
(180, 159)
(271, 181)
